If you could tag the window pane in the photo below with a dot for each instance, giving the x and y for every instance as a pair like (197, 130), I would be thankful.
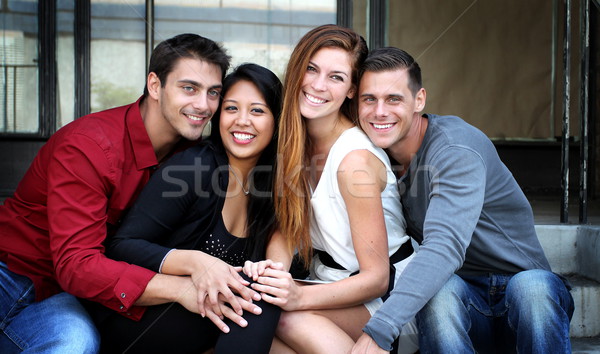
(65, 57)
(18, 67)
(118, 70)
(258, 31)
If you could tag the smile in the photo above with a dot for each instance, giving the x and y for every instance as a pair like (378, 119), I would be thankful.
(314, 99)
(382, 126)
(195, 118)
(243, 136)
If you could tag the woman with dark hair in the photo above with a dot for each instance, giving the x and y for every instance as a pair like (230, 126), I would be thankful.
(203, 213)
(337, 202)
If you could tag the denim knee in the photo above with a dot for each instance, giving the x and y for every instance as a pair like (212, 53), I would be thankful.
(444, 321)
(535, 292)
(539, 311)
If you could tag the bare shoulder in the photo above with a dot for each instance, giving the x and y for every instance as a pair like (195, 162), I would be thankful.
(362, 167)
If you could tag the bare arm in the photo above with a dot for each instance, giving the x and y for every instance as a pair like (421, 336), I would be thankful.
(361, 178)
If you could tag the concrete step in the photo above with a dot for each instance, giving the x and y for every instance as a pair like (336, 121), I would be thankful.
(574, 251)
(586, 317)
(585, 345)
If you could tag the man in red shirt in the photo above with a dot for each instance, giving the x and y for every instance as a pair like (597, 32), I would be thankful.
(74, 194)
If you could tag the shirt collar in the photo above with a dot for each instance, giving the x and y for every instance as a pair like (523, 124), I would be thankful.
(140, 141)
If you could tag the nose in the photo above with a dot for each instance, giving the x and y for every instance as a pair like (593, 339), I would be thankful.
(319, 83)
(243, 118)
(201, 102)
(380, 109)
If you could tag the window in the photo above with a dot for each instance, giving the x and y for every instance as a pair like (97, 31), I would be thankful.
(18, 67)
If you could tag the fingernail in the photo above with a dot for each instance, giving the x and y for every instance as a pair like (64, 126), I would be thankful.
(243, 323)
(256, 297)
(257, 310)
(203, 315)
(225, 329)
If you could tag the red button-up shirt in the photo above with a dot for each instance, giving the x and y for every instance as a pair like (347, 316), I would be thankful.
(73, 195)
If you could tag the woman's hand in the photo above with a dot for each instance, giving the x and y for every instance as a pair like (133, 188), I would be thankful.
(255, 269)
(214, 278)
(278, 288)
(229, 313)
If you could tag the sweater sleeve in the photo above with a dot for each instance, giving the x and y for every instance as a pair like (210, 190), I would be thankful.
(456, 188)
(162, 208)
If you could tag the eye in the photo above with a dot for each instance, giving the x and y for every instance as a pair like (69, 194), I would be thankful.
(394, 99)
(311, 68)
(189, 88)
(368, 99)
(257, 110)
(230, 108)
(214, 93)
(337, 78)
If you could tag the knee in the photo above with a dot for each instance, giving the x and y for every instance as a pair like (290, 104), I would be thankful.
(289, 320)
(78, 336)
(536, 291)
(447, 299)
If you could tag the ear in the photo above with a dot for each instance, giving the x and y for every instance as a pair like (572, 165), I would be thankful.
(351, 92)
(420, 99)
(153, 83)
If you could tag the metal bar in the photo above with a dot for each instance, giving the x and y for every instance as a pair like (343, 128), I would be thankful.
(564, 207)
(344, 13)
(149, 30)
(14, 109)
(82, 36)
(47, 71)
(554, 49)
(584, 109)
(377, 23)
(5, 99)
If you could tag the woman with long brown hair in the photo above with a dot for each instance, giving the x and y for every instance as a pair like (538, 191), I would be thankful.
(336, 202)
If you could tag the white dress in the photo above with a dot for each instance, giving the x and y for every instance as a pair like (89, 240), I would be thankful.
(330, 226)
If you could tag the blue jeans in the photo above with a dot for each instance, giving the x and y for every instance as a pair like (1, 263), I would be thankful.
(58, 324)
(528, 312)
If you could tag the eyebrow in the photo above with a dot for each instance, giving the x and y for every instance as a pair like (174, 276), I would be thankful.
(198, 84)
(392, 95)
(252, 103)
(333, 72)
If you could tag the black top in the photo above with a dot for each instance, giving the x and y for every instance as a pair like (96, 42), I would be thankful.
(225, 246)
(178, 208)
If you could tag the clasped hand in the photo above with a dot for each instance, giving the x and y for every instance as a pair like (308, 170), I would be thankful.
(274, 283)
(222, 293)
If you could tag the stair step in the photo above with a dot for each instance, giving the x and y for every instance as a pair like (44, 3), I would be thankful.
(586, 317)
(585, 345)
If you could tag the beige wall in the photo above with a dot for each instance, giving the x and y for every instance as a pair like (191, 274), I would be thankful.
(486, 61)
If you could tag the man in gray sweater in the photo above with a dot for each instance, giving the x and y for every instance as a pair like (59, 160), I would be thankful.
(480, 281)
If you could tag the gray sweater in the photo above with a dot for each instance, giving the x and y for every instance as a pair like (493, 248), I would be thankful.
(467, 212)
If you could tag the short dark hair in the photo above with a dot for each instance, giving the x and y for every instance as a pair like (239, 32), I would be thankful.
(261, 213)
(391, 58)
(186, 45)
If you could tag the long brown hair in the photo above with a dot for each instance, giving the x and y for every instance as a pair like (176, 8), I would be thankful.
(292, 203)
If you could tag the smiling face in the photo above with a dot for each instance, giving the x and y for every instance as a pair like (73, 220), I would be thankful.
(189, 97)
(387, 107)
(246, 122)
(326, 84)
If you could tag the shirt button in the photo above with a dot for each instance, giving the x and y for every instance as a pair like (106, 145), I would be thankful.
(121, 307)
(123, 295)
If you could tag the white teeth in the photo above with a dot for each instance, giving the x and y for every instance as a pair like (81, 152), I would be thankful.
(314, 99)
(194, 117)
(382, 126)
(243, 136)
